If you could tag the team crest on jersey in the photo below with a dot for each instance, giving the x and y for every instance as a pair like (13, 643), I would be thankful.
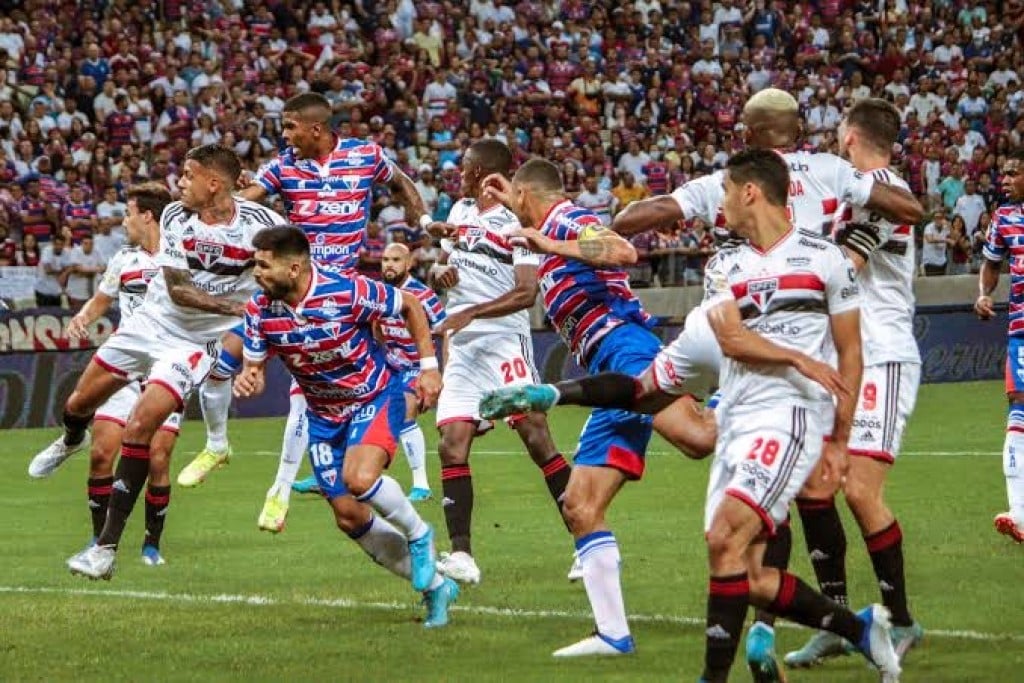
(208, 252)
(330, 477)
(149, 273)
(329, 307)
(473, 235)
(761, 291)
(352, 181)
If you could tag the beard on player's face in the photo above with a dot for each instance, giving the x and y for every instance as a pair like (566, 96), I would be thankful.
(393, 276)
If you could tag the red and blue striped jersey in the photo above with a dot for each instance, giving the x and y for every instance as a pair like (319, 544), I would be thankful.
(1006, 239)
(327, 341)
(401, 349)
(330, 198)
(583, 302)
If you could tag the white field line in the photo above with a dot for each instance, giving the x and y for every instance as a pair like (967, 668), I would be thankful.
(345, 603)
(663, 453)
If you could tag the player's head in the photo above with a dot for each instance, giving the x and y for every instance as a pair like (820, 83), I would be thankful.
(535, 187)
(209, 171)
(305, 123)
(481, 160)
(281, 260)
(756, 183)
(394, 264)
(1011, 182)
(771, 119)
(872, 124)
(146, 203)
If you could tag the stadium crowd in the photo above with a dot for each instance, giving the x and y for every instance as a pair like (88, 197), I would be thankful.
(631, 98)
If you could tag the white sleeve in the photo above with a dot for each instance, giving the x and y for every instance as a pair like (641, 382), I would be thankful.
(851, 185)
(717, 289)
(701, 197)
(172, 253)
(841, 290)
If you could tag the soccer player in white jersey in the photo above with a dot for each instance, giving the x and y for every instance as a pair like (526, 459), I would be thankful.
(492, 286)
(205, 277)
(601, 202)
(125, 281)
(883, 253)
(799, 291)
(818, 183)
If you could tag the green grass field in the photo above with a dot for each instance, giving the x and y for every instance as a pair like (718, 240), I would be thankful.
(234, 603)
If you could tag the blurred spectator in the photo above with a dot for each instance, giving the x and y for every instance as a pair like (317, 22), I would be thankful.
(628, 190)
(51, 271)
(959, 247)
(601, 202)
(934, 248)
(8, 248)
(372, 251)
(29, 253)
(84, 264)
(970, 206)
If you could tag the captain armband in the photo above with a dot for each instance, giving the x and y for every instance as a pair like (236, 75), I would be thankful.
(860, 238)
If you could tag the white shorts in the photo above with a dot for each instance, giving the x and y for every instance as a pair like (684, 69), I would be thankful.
(690, 363)
(139, 350)
(763, 460)
(119, 407)
(478, 363)
(888, 392)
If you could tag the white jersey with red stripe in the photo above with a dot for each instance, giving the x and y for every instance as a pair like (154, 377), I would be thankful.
(886, 281)
(127, 277)
(486, 263)
(219, 259)
(787, 295)
(818, 182)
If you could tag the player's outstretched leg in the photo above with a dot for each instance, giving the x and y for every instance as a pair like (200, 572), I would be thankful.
(529, 398)
(293, 447)
(457, 502)
(95, 386)
(215, 400)
(158, 495)
(1011, 522)
(362, 475)
(587, 497)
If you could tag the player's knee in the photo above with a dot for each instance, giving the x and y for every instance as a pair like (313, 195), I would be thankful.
(101, 457)
(159, 462)
(861, 495)
(763, 581)
(723, 542)
(361, 480)
(582, 516)
(77, 404)
(453, 451)
(140, 428)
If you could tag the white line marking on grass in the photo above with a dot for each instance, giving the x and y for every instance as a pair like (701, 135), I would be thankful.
(676, 453)
(345, 603)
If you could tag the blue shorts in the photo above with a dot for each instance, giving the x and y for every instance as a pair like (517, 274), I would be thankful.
(1015, 365)
(409, 379)
(377, 423)
(618, 438)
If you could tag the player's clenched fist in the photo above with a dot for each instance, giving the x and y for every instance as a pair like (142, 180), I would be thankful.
(250, 382)
(428, 387)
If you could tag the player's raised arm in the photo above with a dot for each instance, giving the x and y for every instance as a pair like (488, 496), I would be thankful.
(429, 385)
(408, 197)
(647, 214)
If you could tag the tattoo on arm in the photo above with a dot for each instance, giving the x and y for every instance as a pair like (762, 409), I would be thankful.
(409, 197)
(184, 293)
(594, 249)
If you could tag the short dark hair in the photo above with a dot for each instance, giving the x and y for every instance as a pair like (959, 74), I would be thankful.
(152, 197)
(877, 120)
(1017, 154)
(219, 158)
(492, 156)
(308, 101)
(282, 240)
(764, 168)
(540, 174)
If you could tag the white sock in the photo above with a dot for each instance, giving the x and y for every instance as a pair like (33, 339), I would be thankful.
(389, 548)
(1013, 469)
(599, 555)
(215, 400)
(388, 499)
(293, 446)
(415, 447)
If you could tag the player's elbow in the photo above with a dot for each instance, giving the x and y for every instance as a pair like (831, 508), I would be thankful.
(731, 343)
(626, 253)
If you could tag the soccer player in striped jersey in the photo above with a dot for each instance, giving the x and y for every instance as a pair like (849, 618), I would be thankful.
(883, 254)
(404, 359)
(320, 323)
(326, 183)
(126, 279)
(1006, 241)
(205, 275)
(606, 329)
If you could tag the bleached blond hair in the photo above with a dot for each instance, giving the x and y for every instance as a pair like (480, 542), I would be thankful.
(772, 100)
